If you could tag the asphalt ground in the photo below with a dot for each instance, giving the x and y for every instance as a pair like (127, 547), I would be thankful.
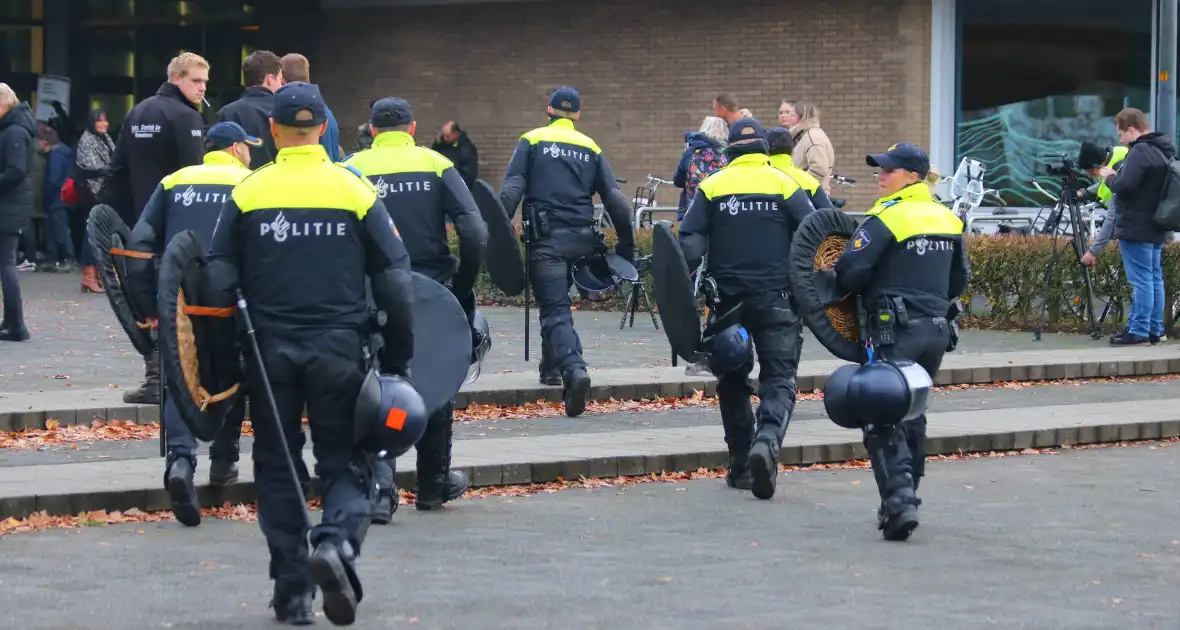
(1084, 539)
(943, 400)
(77, 343)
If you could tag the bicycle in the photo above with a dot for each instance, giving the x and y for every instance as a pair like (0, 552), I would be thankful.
(645, 197)
(841, 180)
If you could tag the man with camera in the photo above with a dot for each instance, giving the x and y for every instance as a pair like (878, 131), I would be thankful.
(1092, 157)
(1136, 188)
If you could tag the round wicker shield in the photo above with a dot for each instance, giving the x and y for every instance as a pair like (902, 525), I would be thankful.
(818, 244)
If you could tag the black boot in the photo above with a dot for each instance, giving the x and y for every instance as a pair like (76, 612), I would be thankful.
(178, 480)
(222, 473)
(550, 373)
(764, 468)
(293, 609)
(386, 495)
(890, 456)
(577, 392)
(738, 475)
(14, 332)
(149, 392)
(437, 483)
(333, 570)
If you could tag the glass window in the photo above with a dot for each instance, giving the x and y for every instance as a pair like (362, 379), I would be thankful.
(111, 52)
(19, 49)
(19, 10)
(1036, 79)
(111, 9)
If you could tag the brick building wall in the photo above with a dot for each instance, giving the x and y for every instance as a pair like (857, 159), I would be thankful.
(647, 71)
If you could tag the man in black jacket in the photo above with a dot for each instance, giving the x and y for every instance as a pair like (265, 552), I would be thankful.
(454, 144)
(263, 72)
(1136, 187)
(161, 135)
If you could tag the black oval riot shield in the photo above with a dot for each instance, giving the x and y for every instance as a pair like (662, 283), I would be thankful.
(108, 239)
(818, 244)
(199, 346)
(674, 294)
(442, 344)
(504, 262)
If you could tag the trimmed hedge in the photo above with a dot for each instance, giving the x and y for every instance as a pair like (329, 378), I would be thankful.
(1007, 284)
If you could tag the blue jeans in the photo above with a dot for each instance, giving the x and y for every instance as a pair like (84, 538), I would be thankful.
(58, 244)
(1146, 276)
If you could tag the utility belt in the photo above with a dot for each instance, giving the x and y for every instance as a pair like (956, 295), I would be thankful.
(882, 316)
(542, 222)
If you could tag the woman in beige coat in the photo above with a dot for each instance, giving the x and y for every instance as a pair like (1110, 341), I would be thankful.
(813, 150)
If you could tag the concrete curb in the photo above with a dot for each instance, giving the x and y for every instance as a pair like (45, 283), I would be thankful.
(638, 384)
(625, 466)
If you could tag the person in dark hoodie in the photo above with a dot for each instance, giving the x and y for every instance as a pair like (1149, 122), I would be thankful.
(59, 164)
(161, 135)
(454, 144)
(1136, 187)
(704, 152)
(263, 72)
(17, 131)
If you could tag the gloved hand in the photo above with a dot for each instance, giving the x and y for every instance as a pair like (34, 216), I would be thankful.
(467, 301)
(827, 286)
(396, 370)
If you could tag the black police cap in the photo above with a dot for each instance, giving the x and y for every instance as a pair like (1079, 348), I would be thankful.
(299, 104)
(904, 155)
(391, 112)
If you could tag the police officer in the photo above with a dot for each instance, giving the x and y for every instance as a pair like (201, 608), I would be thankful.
(744, 216)
(422, 190)
(190, 199)
(782, 144)
(556, 170)
(299, 236)
(908, 262)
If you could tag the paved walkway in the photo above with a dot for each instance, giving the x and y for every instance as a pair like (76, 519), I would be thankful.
(115, 483)
(1001, 545)
(77, 344)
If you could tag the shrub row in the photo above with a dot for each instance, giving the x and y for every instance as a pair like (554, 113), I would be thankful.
(1008, 284)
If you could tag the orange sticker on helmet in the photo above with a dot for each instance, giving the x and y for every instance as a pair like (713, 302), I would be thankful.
(396, 419)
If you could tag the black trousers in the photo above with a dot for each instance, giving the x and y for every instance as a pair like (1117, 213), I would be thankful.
(549, 275)
(432, 450)
(777, 334)
(323, 369)
(14, 312)
(898, 452)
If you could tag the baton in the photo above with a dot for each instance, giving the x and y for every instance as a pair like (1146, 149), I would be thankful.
(274, 409)
(525, 225)
(163, 399)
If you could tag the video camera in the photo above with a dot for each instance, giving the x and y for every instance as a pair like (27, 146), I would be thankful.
(1066, 167)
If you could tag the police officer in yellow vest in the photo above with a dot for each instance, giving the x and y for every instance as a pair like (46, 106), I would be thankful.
(908, 262)
(422, 189)
(556, 171)
(190, 199)
(782, 144)
(299, 237)
(1091, 157)
(744, 217)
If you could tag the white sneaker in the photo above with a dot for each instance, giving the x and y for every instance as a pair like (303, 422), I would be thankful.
(25, 265)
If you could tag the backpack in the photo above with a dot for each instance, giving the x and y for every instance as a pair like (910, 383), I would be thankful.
(1167, 211)
(703, 163)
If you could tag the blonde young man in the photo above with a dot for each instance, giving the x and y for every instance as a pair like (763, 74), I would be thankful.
(161, 135)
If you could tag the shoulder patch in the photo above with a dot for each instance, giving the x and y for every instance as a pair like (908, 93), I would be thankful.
(860, 240)
(352, 169)
(890, 203)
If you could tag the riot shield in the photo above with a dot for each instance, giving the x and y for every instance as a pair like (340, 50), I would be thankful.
(198, 339)
(504, 262)
(442, 344)
(108, 239)
(674, 295)
(818, 244)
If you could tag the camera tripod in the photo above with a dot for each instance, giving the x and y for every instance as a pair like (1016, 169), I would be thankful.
(1065, 219)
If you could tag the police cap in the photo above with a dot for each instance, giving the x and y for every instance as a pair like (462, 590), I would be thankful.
(566, 99)
(224, 135)
(391, 112)
(746, 130)
(780, 138)
(904, 155)
(293, 100)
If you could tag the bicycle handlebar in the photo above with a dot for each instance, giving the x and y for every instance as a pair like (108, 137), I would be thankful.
(652, 178)
(843, 181)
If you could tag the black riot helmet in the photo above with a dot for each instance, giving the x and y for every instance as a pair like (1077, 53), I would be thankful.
(878, 393)
(599, 275)
(390, 416)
